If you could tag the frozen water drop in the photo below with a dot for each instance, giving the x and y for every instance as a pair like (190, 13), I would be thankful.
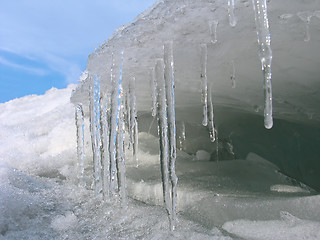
(232, 17)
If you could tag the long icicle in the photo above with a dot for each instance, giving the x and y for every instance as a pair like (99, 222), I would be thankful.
(153, 85)
(105, 121)
(163, 134)
(204, 82)
(211, 116)
(95, 133)
(265, 54)
(120, 144)
(115, 103)
(133, 131)
(80, 143)
(169, 82)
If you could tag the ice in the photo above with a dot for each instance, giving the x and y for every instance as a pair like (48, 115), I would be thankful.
(306, 17)
(64, 222)
(213, 30)
(133, 129)
(204, 82)
(80, 141)
(211, 116)
(181, 136)
(232, 18)
(265, 54)
(171, 118)
(105, 121)
(153, 85)
(95, 128)
(202, 155)
(233, 75)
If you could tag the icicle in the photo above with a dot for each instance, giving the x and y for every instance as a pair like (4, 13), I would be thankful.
(133, 131)
(120, 143)
(233, 75)
(217, 144)
(265, 54)
(232, 17)
(96, 133)
(306, 17)
(153, 84)
(213, 30)
(204, 82)
(211, 116)
(169, 81)
(182, 136)
(80, 142)
(163, 134)
(105, 122)
(115, 108)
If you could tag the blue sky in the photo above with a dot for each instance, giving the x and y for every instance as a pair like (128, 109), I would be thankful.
(45, 43)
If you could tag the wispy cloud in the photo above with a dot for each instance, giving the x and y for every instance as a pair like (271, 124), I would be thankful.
(36, 71)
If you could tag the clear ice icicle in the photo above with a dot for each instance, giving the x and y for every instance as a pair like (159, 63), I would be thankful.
(105, 122)
(163, 134)
(80, 142)
(265, 54)
(306, 18)
(211, 116)
(153, 84)
(204, 82)
(213, 30)
(95, 127)
(182, 136)
(115, 113)
(133, 130)
(121, 168)
(232, 17)
(169, 82)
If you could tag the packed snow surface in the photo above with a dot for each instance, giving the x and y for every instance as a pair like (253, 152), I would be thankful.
(40, 197)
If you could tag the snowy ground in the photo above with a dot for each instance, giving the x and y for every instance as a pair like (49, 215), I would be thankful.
(40, 199)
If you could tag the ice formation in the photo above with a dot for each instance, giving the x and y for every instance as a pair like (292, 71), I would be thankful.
(232, 17)
(204, 82)
(181, 27)
(265, 54)
(79, 117)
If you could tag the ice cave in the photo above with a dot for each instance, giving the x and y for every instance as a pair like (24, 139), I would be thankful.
(177, 110)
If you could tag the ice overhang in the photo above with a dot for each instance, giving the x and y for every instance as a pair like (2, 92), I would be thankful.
(292, 144)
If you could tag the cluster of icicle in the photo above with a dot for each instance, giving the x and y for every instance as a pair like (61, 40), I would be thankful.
(110, 114)
(114, 111)
(163, 107)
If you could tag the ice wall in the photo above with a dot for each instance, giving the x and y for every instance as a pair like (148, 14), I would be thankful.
(238, 109)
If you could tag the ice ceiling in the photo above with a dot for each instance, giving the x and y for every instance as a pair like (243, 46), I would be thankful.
(234, 72)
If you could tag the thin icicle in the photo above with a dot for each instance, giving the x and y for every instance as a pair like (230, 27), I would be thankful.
(80, 142)
(115, 108)
(232, 17)
(133, 131)
(105, 121)
(213, 30)
(128, 115)
(163, 134)
(169, 82)
(121, 168)
(265, 54)
(153, 85)
(217, 144)
(204, 82)
(233, 75)
(306, 18)
(182, 136)
(211, 116)
(95, 128)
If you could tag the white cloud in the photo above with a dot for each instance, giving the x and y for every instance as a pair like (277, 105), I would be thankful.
(37, 71)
